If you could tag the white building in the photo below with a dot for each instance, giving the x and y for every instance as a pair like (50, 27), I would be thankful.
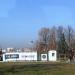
(29, 56)
(52, 55)
(20, 56)
(9, 49)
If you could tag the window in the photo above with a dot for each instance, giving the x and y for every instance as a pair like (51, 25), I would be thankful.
(11, 56)
(53, 54)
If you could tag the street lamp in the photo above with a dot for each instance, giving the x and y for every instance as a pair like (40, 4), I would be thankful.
(31, 43)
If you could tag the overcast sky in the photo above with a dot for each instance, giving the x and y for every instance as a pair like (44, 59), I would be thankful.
(20, 20)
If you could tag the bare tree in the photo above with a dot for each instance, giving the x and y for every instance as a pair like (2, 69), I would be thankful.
(44, 37)
(71, 42)
(52, 43)
(70, 36)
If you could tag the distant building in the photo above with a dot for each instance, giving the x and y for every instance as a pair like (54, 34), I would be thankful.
(24, 50)
(10, 50)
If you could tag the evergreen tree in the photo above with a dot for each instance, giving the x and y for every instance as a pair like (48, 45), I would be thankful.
(62, 45)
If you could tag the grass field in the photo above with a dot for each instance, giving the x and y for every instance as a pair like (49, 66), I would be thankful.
(37, 68)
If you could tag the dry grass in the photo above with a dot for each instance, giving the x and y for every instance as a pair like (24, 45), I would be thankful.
(36, 68)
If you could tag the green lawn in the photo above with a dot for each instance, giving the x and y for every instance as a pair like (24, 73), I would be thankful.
(39, 68)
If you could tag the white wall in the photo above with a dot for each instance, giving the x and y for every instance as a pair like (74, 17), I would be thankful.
(29, 56)
(52, 55)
